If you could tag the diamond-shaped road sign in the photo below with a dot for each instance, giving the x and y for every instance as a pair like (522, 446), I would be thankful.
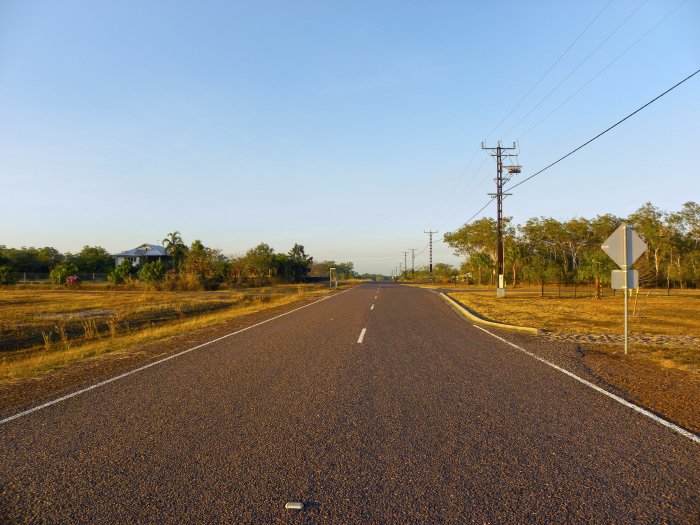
(614, 246)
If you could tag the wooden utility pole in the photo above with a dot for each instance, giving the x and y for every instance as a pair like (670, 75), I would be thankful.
(497, 152)
(431, 252)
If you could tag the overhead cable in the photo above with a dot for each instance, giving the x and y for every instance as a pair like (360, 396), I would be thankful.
(602, 70)
(576, 68)
(455, 187)
(547, 72)
(601, 134)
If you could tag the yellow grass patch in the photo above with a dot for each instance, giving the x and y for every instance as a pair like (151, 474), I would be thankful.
(41, 330)
(675, 315)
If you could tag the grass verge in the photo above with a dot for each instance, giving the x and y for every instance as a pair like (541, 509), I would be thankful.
(672, 316)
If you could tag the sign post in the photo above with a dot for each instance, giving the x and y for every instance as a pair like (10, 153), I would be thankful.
(624, 247)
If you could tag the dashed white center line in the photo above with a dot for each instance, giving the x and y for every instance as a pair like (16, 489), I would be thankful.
(372, 307)
(362, 335)
(375, 296)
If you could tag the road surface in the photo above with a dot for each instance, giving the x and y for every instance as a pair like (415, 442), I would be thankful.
(375, 405)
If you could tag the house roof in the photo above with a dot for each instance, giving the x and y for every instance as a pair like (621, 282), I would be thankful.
(148, 250)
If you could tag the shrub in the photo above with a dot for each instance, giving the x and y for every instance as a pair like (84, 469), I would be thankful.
(152, 271)
(73, 280)
(59, 273)
(8, 275)
(122, 272)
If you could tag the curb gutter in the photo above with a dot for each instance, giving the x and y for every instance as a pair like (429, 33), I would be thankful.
(460, 310)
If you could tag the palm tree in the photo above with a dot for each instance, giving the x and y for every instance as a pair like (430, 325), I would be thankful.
(174, 244)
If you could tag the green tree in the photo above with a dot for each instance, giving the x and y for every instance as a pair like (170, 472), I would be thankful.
(596, 265)
(480, 236)
(480, 262)
(516, 257)
(152, 271)
(198, 248)
(93, 259)
(539, 269)
(8, 275)
(122, 272)
(647, 221)
(260, 259)
(299, 264)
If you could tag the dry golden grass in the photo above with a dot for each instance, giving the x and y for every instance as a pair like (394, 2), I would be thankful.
(675, 315)
(44, 329)
(662, 315)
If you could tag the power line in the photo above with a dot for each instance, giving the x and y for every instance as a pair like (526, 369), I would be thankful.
(477, 213)
(601, 134)
(602, 70)
(576, 68)
(462, 193)
(551, 67)
(455, 187)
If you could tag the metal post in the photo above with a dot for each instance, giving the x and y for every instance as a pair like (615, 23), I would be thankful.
(624, 270)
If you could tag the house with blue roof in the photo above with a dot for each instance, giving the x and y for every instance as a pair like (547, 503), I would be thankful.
(143, 254)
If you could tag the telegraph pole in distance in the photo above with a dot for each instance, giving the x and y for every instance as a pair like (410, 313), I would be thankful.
(431, 252)
(405, 264)
(500, 179)
(413, 262)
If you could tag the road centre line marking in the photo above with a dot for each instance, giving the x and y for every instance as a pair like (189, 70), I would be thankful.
(620, 400)
(372, 307)
(149, 365)
(362, 335)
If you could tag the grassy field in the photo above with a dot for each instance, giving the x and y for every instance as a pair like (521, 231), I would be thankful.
(45, 328)
(662, 315)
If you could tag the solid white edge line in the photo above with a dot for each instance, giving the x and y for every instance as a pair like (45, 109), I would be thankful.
(149, 365)
(362, 335)
(620, 400)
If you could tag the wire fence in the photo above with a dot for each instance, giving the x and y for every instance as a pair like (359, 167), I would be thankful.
(44, 278)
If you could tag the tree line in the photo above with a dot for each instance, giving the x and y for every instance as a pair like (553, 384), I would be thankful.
(193, 266)
(547, 250)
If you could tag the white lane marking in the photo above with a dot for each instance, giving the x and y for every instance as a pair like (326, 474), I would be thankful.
(372, 307)
(634, 407)
(362, 335)
(149, 365)
(375, 296)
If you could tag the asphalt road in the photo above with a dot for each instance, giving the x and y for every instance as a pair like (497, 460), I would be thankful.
(427, 420)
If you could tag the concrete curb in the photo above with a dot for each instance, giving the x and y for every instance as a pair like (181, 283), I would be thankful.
(460, 310)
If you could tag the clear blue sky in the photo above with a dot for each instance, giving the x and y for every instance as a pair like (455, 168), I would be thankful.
(342, 126)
